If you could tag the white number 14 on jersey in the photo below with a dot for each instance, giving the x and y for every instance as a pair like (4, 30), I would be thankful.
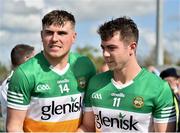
(64, 88)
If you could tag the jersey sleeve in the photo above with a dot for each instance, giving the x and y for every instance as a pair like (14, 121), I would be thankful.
(87, 98)
(18, 95)
(96, 83)
(83, 69)
(165, 107)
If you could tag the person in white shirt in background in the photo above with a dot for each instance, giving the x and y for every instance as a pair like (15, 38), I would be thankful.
(19, 54)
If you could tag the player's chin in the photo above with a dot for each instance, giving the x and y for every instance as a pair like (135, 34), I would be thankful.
(57, 55)
(52, 54)
(111, 67)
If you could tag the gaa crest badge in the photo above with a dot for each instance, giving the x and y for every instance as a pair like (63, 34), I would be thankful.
(82, 82)
(138, 102)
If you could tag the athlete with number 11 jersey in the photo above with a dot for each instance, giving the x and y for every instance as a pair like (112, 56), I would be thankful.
(129, 107)
(127, 98)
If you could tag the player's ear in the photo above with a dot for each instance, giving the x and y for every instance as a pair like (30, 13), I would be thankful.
(74, 37)
(41, 34)
(132, 48)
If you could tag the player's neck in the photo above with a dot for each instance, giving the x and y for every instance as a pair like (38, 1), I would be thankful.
(58, 63)
(60, 66)
(126, 74)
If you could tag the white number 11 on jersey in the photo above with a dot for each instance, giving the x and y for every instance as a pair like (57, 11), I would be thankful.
(116, 102)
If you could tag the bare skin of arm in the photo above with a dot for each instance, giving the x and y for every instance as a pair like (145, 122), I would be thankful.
(15, 119)
(88, 123)
(165, 127)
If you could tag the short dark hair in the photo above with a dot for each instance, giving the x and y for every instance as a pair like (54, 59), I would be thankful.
(19, 52)
(124, 25)
(58, 17)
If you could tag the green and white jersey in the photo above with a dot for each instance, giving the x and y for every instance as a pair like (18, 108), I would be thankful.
(53, 99)
(132, 107)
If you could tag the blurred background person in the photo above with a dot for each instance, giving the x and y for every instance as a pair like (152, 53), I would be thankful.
(179, 82)
(171, 76)
(19, 54)
(153, 69)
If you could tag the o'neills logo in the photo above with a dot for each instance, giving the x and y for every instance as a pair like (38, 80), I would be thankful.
(82, 82)
(138, 102)
(53, 109)
(121, 122)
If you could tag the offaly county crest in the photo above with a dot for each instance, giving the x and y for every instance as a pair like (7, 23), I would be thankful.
(138, 102)
(82, 82)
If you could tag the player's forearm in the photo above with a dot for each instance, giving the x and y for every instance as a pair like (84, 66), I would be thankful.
(15, 120)
(14, 128)
(83, 128)
(166, 127)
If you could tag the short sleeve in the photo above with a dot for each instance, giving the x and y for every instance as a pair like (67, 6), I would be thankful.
(18, 96)
(164, 106)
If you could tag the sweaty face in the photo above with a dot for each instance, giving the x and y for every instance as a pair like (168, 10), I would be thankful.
(57, 40)
(115, 52)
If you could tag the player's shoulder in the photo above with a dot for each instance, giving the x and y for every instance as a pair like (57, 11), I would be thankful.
(101, 79)
(31, 61)
(32, 65)
(81, 63)
(73, 55)
(76, 57)
(154, 81)
(151, 76)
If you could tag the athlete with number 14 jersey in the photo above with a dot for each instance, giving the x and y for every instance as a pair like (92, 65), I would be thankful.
(45, 94)
(53, 98)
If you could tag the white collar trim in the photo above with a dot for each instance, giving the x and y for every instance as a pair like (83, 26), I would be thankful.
(118, 86)
(62, 71)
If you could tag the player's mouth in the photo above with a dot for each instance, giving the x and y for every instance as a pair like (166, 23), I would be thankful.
(55, 46)
(108, 61)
